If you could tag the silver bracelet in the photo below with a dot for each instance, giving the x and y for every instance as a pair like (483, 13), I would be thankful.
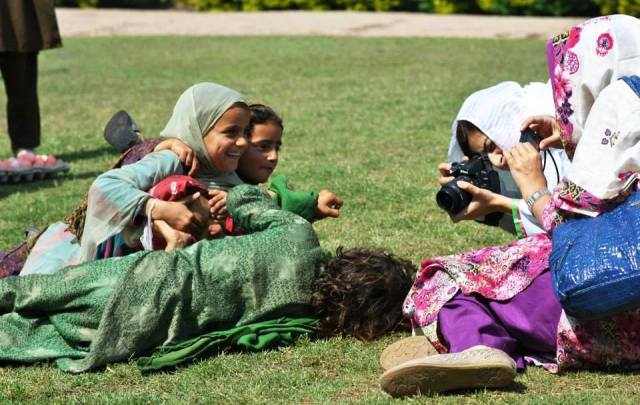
(535, 197)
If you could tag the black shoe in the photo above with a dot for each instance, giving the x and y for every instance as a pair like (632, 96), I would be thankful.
(122, 132)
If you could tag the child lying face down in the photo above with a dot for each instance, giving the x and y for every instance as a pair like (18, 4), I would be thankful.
(115, 309)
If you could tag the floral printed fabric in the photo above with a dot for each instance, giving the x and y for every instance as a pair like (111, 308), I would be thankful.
(496, 273)
(608, 343)
(11, 261)
(500, 273)
(597, 114)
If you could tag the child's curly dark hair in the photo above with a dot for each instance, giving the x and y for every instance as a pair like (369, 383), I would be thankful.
(360, 293)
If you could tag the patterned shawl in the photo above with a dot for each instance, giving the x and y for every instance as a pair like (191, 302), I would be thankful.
(596, 111)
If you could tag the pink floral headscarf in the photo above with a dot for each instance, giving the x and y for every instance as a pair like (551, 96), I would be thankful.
(585, 60)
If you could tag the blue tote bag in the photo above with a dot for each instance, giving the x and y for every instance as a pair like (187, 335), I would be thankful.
(595, 262)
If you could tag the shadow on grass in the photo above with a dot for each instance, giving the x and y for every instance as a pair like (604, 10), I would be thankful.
(516, 387)
(88, 154)
(39, 185)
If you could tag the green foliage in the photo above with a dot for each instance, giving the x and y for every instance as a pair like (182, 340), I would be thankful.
(631, 7)
(220, 5)
(539, 7)
(502, 7)
(115, 3)
(65, 3)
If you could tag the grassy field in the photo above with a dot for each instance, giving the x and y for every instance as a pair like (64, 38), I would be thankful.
(366, 118)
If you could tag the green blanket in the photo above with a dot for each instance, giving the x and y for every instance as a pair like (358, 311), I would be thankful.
(111, 310)
(253, 337)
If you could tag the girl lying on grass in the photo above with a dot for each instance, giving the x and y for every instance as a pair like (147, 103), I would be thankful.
(89, 315)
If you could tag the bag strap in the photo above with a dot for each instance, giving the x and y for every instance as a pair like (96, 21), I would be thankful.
(633, 82)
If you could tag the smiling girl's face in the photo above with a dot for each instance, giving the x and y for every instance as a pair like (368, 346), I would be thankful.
(225, 141)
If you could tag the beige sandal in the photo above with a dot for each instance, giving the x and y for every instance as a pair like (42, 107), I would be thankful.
(409, 348)
(477, 367)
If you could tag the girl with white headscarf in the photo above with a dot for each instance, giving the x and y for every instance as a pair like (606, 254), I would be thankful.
(496, 114)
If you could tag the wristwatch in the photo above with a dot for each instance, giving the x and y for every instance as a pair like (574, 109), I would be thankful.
(535, 197)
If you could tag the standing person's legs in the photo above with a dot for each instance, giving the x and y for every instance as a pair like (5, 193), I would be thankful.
(20, 75)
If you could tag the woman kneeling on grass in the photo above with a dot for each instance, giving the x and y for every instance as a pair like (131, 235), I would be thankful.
(111, 310)
(494, 308)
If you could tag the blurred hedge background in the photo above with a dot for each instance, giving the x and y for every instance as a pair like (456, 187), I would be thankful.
(503, 7)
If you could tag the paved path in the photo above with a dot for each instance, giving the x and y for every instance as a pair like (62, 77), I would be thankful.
(103, 22)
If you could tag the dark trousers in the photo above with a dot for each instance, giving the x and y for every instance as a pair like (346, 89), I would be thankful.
(20, 75)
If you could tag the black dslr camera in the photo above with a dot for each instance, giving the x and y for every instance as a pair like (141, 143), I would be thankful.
(477, 171)
(529, 136)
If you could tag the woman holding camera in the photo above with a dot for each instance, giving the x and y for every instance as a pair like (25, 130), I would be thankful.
(502, 297)
(490, 308)
(489, 124)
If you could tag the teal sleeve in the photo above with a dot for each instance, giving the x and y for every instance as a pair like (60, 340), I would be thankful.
(301, 203)
(131, 182)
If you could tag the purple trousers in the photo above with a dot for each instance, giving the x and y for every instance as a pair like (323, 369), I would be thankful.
(527, 324)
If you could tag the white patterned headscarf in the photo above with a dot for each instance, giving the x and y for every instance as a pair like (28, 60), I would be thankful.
(585, 60)
(499, 111)
(597, 113)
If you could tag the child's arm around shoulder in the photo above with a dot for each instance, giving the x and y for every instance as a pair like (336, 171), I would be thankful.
(134, 179)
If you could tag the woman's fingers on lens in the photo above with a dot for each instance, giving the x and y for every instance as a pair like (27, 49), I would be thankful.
(444, 180)
(444, 168)
(532, 121)
(468, 187)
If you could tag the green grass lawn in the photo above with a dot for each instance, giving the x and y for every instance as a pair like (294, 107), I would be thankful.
(366, 118)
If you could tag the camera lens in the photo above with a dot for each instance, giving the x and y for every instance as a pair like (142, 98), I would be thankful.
(451, 198)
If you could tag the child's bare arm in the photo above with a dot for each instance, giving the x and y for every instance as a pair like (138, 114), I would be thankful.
(175, 239)
(186, 155)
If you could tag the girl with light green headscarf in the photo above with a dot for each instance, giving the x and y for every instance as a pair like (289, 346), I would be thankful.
(210, 119)
(195, 112)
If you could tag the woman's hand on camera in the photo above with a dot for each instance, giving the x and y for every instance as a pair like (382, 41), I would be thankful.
(526, 168)
(445, 177)
(483, 202)
(547, 129)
